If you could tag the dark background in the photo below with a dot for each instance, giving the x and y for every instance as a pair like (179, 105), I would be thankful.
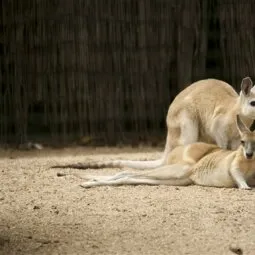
(107, 70)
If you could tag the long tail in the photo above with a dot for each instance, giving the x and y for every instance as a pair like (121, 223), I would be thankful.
(92, 165)
(114, 164)
(135, 164)
(167, 175)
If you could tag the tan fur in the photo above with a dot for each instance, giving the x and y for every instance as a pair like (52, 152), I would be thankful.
(212, 106)
(203, 112)
(199, 163)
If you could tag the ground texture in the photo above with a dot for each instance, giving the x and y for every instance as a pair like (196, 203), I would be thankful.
(41, 213)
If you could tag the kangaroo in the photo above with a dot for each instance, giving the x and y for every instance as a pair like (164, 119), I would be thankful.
(205, 111)
(198, 163)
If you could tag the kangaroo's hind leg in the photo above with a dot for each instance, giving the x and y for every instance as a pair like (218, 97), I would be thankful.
(189, 129)
(176, 175)
(108, 177)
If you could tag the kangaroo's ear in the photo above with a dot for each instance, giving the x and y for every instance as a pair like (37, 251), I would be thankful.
(241, 126)
(246, 85)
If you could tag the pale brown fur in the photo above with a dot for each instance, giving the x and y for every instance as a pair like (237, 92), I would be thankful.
(199, 163)
(211, 106)
(203, 112)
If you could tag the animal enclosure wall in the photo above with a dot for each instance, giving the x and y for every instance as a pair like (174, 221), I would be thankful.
(108, 70)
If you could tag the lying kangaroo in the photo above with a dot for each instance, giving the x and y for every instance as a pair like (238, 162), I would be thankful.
(205, 112)
(198, 163)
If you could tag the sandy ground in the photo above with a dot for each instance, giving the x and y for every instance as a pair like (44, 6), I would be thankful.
(41, 213)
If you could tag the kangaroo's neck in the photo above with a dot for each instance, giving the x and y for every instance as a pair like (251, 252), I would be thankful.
(239, 158)
(237, 109)
(239, 153)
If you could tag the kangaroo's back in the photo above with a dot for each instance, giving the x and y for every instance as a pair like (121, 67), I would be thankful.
(202, 100)
(217, 90)
(197, 113)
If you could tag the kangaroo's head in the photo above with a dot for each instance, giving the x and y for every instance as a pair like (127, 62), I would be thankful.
(247, 98)
(247, 139)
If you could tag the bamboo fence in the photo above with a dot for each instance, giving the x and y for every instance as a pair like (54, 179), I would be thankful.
(108, 70)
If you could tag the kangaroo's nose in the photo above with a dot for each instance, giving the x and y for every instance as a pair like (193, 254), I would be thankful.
(249, 154)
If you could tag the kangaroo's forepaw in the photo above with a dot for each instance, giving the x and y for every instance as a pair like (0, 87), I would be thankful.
(88, 184)
(245, 188)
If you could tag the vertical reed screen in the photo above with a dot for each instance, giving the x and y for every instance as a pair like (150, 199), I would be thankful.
(108, 70)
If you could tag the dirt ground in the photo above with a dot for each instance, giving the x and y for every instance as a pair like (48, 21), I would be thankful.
(41, 213)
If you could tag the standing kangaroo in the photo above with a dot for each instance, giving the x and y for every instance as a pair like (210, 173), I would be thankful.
(205, 111)
(198, 163)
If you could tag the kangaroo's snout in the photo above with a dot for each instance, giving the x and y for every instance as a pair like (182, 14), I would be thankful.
(249, 155)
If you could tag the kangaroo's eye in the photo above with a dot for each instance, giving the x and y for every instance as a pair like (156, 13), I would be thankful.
(242, 142)
(252, 103)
